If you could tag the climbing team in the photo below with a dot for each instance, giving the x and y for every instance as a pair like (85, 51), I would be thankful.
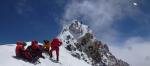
(34, 51)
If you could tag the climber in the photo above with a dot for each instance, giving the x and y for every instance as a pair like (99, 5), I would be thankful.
(46, 45)
(21, 52)
(20, 49)
(55, 46)
(35, 50)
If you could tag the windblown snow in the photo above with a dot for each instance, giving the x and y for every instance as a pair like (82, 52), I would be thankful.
(8, 51)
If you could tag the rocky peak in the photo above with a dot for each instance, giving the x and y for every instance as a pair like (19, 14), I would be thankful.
(81, 43)
(76, 28)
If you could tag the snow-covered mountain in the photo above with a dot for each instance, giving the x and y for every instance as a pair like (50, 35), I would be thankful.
(82, 44)
(80, 48)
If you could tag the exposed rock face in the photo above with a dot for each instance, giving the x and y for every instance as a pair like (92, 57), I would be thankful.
(82, 44)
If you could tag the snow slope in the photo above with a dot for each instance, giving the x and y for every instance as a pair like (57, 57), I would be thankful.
(8, 51)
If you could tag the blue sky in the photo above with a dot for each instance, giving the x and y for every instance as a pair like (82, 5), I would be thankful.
(29, 19)
(40, 19)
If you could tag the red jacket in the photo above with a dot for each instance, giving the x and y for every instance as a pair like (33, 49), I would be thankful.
(35, 48)
(19, 49)
(27, 54)
(56, 43)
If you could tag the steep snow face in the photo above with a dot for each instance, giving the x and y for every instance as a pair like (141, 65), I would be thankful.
(8, 51)
(79, 40)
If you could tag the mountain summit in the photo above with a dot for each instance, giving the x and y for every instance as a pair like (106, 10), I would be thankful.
(82, 44)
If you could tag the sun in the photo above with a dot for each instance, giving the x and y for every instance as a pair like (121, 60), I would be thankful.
(135, 4)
